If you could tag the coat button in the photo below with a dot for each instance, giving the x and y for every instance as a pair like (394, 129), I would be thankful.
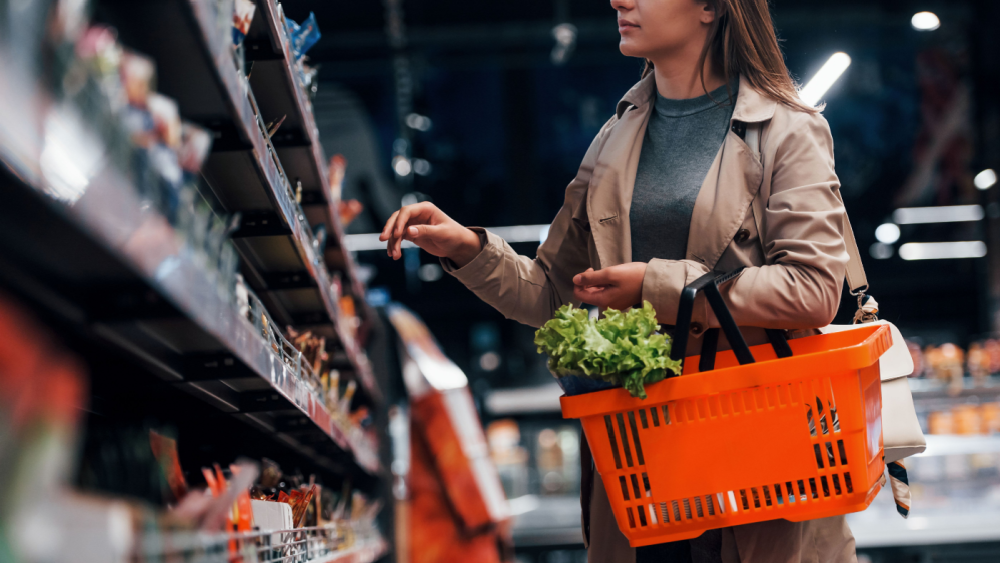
(697, 329)
(742, 235)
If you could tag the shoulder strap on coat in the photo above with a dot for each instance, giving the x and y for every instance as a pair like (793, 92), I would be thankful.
(857, 281)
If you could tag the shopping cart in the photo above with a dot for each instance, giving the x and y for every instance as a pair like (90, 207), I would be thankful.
(788, 430)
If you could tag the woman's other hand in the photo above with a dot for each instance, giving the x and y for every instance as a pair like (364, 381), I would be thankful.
(616, 287)
(428, 227)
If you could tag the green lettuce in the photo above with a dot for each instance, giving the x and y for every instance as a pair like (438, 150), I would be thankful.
(622, 348)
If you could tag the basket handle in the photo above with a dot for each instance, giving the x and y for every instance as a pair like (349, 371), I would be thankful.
(709, 283)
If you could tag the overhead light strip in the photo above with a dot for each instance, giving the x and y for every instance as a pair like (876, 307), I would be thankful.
(511, 234)
(942, 250)
(946, 214)
(825, 77)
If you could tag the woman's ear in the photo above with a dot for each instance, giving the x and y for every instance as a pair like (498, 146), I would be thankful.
(708, 13)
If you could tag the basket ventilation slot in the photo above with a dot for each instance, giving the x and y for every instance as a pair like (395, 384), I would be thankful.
(829, 451)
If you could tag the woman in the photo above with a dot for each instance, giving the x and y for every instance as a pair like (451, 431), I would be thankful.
(668, 191)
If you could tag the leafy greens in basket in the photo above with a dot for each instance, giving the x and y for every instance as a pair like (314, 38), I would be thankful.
(621, 347)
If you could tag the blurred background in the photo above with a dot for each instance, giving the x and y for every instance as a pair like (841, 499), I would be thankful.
(486, 109)
(190, 196)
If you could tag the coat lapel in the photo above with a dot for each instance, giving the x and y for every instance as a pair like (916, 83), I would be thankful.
(723, 201)
(731, 184)
(609, 196)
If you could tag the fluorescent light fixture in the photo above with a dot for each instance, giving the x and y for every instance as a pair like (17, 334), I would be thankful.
(985, 179)
(887, 233)
(946, 214)
(942, 250)
(516, 233)
(827, 75)
(521, 233)
(925, 21)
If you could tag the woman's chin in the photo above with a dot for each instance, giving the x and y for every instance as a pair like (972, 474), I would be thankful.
(629, 48)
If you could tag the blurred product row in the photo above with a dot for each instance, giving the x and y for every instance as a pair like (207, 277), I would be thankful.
(199, 309)
(948, 362)
(44, 396)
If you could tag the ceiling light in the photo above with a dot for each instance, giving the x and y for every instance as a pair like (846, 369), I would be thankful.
(887, 233)
(880, 251)
(429, 273)
(419, 122)
(421, 167)
(985, 179)
(827, 75)
(946, 214)
(402, 165)
(565, 36)
(489, 361)
(942, 250)
(925, 21)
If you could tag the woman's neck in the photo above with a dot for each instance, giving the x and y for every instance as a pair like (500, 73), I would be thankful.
(678, 77)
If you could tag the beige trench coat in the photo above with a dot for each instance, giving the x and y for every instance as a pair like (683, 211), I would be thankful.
(792, 279)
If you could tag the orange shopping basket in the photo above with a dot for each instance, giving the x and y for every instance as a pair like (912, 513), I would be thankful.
(789, 430)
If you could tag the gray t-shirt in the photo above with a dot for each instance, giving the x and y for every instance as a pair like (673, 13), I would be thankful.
(680, 145)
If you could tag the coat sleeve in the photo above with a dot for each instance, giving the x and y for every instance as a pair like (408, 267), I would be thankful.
(803, 240)
(529, 291)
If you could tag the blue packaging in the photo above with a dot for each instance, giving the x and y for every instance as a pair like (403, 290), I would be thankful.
(580, 385)
(302, 37)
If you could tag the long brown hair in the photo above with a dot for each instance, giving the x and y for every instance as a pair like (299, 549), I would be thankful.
(742, 42)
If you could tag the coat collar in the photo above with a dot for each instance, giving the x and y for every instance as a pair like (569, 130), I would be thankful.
(720, 207)
(751, 105)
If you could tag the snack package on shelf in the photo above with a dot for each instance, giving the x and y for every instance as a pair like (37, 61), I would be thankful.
(917, 355)
(345, 402)
(302, 37)
(195, 144)
(243, 11)
(42, 392)
(965, 419)
(165, 452)
(338, 169)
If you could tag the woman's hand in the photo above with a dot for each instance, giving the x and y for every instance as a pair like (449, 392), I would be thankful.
(428, 227)
(616, 287)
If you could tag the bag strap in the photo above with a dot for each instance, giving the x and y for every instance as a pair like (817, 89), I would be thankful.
(857, 281)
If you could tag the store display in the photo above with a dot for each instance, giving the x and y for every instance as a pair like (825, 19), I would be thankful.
(619, 349)
(123, 169)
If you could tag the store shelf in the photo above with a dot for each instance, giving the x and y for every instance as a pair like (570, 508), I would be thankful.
(941, 445)
(950, 521)
(85, 528)
(553, 521)
(106, 260)
(938, 389)
(280, 95)
(280, 257)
